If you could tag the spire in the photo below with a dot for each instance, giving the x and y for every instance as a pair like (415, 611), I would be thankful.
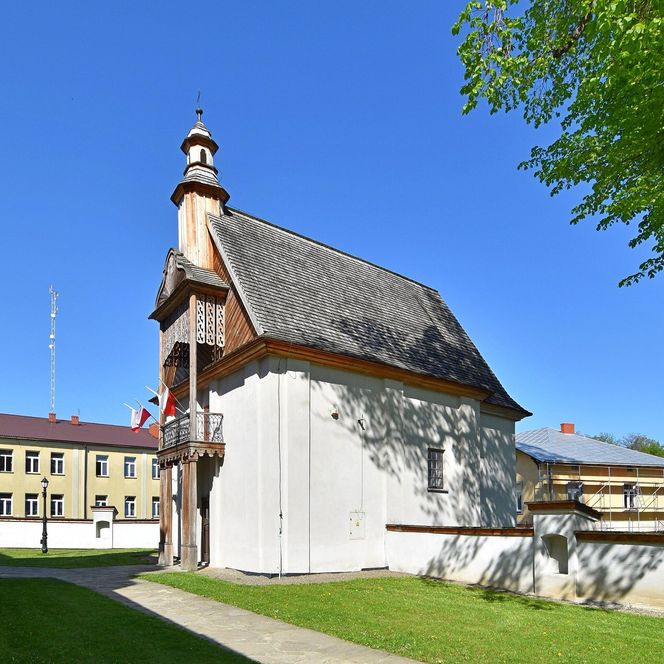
(200, 172)
(198, 194)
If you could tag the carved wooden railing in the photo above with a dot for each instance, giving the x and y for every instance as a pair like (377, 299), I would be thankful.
(208, 429)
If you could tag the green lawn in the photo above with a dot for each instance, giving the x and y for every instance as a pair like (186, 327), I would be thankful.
(71, 558)
(45, 620)
(434, 621)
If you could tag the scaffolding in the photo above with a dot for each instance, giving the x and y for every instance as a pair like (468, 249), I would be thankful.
(628, 497)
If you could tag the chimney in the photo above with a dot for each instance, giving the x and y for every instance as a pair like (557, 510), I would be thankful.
(74, 420)
(51, 418)
(153, 430)
(567, 427)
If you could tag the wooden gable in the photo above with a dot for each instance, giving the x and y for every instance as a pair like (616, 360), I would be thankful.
(239, 328)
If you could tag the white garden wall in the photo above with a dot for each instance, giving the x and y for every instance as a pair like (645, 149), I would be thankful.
(489, 560)
(26, 534)
(563, 557)
(631, 571)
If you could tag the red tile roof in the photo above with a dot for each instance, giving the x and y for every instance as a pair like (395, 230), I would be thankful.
(39, 428)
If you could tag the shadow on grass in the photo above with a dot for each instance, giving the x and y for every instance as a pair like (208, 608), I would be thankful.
(76, 558)
(498, 596)
(74, 627)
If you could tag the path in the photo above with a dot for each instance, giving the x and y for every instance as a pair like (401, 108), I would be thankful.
(257, 637)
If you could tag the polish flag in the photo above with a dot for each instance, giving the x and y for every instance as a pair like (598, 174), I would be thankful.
(167, 402)
(138, 418)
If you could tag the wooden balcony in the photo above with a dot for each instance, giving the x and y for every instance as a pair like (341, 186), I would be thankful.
(181, 444)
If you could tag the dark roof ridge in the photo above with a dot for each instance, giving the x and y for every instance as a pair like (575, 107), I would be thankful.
(33, 427)
(66, 420)
(327, 246)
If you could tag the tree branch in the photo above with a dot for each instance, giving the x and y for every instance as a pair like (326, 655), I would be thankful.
(576, 34)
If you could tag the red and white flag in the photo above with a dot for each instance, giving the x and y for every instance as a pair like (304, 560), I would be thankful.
(167, 402)
(138, 418)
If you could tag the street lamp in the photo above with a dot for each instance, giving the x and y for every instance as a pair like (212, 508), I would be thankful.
(44, 484)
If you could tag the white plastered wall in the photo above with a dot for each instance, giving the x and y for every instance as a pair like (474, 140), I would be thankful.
(78, 534)
(333, 449)
(621, 572)
(500, 561)
(497, 472)
(244, 496)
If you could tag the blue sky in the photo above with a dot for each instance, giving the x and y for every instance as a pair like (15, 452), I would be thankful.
(339, 120)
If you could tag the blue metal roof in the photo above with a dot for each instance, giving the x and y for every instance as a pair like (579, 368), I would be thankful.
(553, 446)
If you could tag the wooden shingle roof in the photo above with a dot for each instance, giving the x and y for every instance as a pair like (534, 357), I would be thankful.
(300, 291)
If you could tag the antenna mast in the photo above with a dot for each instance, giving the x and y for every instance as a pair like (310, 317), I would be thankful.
(51, 345)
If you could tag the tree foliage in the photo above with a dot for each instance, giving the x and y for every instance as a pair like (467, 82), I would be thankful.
(598, 67)
(633, 441)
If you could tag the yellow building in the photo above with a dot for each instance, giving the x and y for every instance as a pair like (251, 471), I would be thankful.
(86, 464)
(625, 486)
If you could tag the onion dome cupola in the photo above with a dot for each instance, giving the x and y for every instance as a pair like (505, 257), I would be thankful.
(198, 193)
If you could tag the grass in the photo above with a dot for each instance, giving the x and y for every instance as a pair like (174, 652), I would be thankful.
(45, 620)
(434, 621)
(71, 558)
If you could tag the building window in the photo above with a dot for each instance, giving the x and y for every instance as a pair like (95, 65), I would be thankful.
(57, 463)
(155, 507)
(518, 495)
(435, 469)
(6, 461)
(101, 501)
(631, 496)
(130, 507)
(32, 462)
(575, 491)
(102, 465)
(57, 505)
(31, 504)
(5, 504)
(203, 157)
(155, 469)
(130, 467)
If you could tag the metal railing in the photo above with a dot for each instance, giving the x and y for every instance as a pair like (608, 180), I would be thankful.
(208, 429)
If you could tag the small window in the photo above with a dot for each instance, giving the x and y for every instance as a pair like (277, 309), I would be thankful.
(57, 463)
(101, 501)
(5, 504)
(31, 504)
(575, 491)
(102, 465)
(631, 496)
(155, 507)
(130, 467)
(203, 157)
(130, 507)
(32, 462)
(6, 461)
(435, 469)
(57, 505)
(155, 469)
(518, 496)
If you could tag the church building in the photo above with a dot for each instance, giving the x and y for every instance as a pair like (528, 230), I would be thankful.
(323, 397)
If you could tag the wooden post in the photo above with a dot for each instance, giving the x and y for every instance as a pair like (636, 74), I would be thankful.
(193, 369)
(165, 482)
(189, 561)
(166, 516)
(189, 545)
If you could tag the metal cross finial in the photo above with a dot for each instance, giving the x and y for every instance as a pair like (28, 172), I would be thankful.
(199, 110)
